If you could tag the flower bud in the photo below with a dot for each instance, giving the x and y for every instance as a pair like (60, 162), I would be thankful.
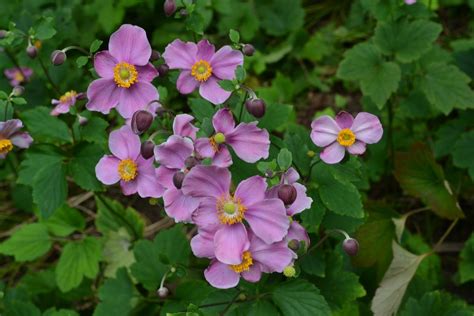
(169, 7)
(350, 246)
(141, 121)
(191, 162)
(248, 50)
(31, 51)
(311, 154)
(294, 245)
(163, 69)
(82, 120)
(155, 55)
(18, 90)
(289, 271)
(58, 57)
(287, 193)
(147, 149)
(178, 179)
(256, 107)
(269, 173)
(3, 34)
(163, 292)
(81, 96)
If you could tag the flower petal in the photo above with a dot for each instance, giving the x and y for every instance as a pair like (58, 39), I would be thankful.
(10, 127)
(344, 119)
(273, 257)
(180, 55)
(220, 276)
(333, 153)
(324, 131)
(205, 50)
(124, 144)
(297, 232)
(204, 148)
(165, 176)
(104, 64)
(223, 121)
(202, 244)
(253, 274)
(136, 98)
(130, 44)
(268, 219)
(367, 128)
(174, 152)
(358, 148)
(147, 179)
(222, 158)
(21, 139)
(103, 95)
(251, 190)
(147, 73)
(249, 142)
(107, 170)
(225, 61)
(207, 181)
(212, 92)
(206, 214)
(186, 83)
(302, 201)
(230, 242)
(129, 188)
(179, 206)
(182, 126)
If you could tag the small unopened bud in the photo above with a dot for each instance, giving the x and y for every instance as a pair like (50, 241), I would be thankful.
(256, 107)
(163, 292)
(58, 57)
(248, 50)
(18, 90)
(178, 179)
(289, 271)
(242, 297)
(81, 96)
(311, 154)
(141, 121)
(287, 193)
(82, 120)
(183, 12)
(163, 69)
(350, 246)
(169, 7)
(269, 173)
(3, 34)
(31, 51)
(153, 201)
(294, 245)
(155, 55)
(147, 149)
(190, 162)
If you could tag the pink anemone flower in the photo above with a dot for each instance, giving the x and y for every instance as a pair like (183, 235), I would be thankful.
(17, 76)
(11, 136)
(135, 173)
(65, 102)
(224, 213)
(249, 142)
(345, 132)
(201, 66)
(125, 74)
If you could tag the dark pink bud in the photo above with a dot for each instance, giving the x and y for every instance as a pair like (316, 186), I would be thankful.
(155, 55)
(163, 292)
(178, 179)
(58, 57)
(31, 51)
(169, 7)
(191, 162)
(350, 246)
(248, 50)
(141, 121)
(81, 96)
(147, 149)
(163, 69)
(287, 193)
(82, 120)
(256, 107)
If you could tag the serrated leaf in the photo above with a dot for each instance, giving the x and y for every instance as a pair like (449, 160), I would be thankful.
(116, 296)
(436, 303)
(117, 251)
(50, 188)
(43, 126)
(27, 243)
(82, 166)
(463, 152)
(466, 264)
(95, 130)
(279, 17)
(64, 221)
(276, 116)
(201, 108)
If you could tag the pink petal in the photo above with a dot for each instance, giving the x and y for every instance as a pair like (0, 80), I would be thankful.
(147, 73)
(222, 158)
(225, 61)
(251, 190)
(174, 152)
(165, 176)
(147, 179)
(180, 55)
(274, 257)
(186, 82)
(179, 206)
(223, 121)
(358, 148)
(107, 170)
(129, 188)
(230, 242)
(207, 181)
(130, 44)
(206, 214)
(104, 64)
(333, 153)
(212, 92)
(203, 148)
(324, 131)
(182, 126)
(10, 127)
(291, 176)
(124, 144)
(205, 50)
(221, 276)
(268, 219)
(103, 95)
(254, 274)
(249, 142)
(302, 201)
(344, 119)
(136, 98)
(202, 244)
(367, 128)
(297, 232)
(21, 139)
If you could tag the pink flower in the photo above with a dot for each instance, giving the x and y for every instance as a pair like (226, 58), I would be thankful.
(126, 165)
(410, 2)
(249, 142)
(63, 105)
(259, 257)
(18, 77)
(344, 133)
(203, 67)
(224, 213)
(10, 136)
(125, 73)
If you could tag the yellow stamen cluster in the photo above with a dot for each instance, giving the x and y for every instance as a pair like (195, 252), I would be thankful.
(346, 137)
(247, 262)
(68, 96)
(19, 76)
(125, 75)
(5, 146)
(226, 214)
(127, 170)
(201, 70)
(216, 140)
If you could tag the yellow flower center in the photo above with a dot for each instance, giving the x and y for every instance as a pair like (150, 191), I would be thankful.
(125, 75)
(247, 262)
(230, 210)
(38, 44)
(68, 96)
(5, 146)
(346, 137)
(201, 70)
(127, 170)
(19, 76)
(216, 140)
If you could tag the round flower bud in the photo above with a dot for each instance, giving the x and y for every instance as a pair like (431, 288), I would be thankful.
(242, 297)
(155, 55)
(248, 50)
(289, 271)
(178, 179)
(350, 246)
(163, 292)
(147, 149)
(287, 193)
(169, 7)
(3, 34)
(58, 57)
(81, 96)
(191, 162)
(141, 121)
(294, 245)
(82, 120)
(311, 154)
(256, 107)
(163, 69)
(31, 51)
(18, 90)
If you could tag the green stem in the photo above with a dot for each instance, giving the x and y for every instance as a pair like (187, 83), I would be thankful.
(46, 73)
(242, 107)
(446, 233)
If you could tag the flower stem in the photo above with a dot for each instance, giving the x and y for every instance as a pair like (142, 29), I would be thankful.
(446, 233)
(46, 73)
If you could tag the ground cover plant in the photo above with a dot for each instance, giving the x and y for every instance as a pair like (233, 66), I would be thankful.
(226, 157)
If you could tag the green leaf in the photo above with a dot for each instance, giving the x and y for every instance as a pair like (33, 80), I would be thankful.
(82, 166)
(238, 15)
(44, 126)
(95, 130)
(313, 262)
(50, 188)
(389, 295)
(299, 297)
(276, 116)
(27, 243)
(240, 73)
(95, 45)
(117, 251)
(193, 291)
(284, 159)
(234, 36)
(464, 152)
(201, 108)
(436, 303)
(406, 40)
(279, 17)
(227, 85)
(21, 308)
(446, 87)
(65, 221)
(116, 296)
(419, 175)
(263, 308)
(78, 260)
(61, 312)
(19, 101)
(45, 29)
(298, 141)
(312, 218)
(466, 264)
(81, 61)
(378, 78)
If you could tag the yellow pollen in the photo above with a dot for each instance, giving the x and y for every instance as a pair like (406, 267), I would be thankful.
(125, 75)
(227, 215)
(346, 137)
(127, 170)
(214, 144)
(68, 96)
(5, 146)
(247, 262)
(19, 77)
(201, 70)
(38, 44)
